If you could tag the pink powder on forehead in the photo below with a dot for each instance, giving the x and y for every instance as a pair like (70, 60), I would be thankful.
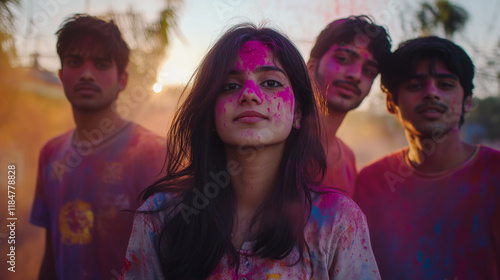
(253, 53)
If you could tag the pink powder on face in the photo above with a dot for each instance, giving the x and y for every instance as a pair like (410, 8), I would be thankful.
(220, 109)
(287, 96)
(247, 133)
(456, 107)
(252, 53)
(251, 87)
(277, 117)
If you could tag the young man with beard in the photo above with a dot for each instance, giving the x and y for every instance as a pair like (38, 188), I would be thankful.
(343, 64)
(433, 208)
(90, 174)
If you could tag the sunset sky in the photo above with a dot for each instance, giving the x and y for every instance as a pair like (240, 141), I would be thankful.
(201, 22)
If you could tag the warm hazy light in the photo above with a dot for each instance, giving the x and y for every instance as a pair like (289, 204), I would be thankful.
(157, 87)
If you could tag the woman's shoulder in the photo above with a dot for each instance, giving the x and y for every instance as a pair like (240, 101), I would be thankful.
(333, 205)
(158, 201)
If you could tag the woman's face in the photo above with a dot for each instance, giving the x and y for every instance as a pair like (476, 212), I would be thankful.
(256, 106)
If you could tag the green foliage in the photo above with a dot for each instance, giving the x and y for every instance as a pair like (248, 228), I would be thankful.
(450, 17)
(8, 54)
(148, 41)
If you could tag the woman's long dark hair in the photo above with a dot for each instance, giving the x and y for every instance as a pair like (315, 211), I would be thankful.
(198, 232)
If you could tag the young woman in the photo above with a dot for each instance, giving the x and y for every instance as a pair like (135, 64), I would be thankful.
(238, 200)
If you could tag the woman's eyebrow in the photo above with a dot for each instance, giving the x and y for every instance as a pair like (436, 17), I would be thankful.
(259, 69)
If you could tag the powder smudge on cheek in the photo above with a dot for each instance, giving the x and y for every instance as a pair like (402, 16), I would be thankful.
(277, 117)
(456, 107)
(220, 111)
(287, 96)
(285, 104)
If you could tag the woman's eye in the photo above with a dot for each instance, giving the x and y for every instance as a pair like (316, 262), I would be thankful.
(272, 84)
(230, 87)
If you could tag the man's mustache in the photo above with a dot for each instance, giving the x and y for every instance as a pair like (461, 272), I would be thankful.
(84, 85)
(349, 84)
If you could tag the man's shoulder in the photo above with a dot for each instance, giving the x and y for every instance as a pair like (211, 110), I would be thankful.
(141, 131)
(345, 148)
(489, 152)
(145, 138)
(58, 141)
(486, 159)
(387, 162)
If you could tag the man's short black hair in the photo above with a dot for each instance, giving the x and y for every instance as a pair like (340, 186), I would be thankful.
(90, 34)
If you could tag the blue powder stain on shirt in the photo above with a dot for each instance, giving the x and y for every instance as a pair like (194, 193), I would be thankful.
(437, 228)
(475, 223)
(427, 263)
(313, 256)
(464, 189)
(316, 215)
(483, 242)
(419, 256)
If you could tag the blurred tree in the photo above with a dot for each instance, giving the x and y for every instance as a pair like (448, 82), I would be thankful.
(148, 41)
(8, 54)
(487, 115)
(450, 17)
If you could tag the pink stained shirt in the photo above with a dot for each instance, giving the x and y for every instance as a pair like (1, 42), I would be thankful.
(336, 234)
(434, 226)
(341, 168)
(81, 193)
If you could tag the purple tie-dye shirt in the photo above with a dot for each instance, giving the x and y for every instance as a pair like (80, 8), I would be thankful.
(434, 226)
(336, 234)
(81, 193)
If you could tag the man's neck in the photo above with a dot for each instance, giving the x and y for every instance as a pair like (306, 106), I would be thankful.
(432, 155)
(330, 125)
(90, 126)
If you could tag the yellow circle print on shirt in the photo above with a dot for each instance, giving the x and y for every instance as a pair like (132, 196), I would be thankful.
(76, 221)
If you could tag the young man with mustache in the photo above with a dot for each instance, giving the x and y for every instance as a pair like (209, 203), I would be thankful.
(433, 208)
(89, 175)
(343, 64)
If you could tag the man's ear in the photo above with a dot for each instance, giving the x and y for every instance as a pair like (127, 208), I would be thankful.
(468, 104)
(59, 73)
(311, 66)
(389, 102)
(123, 80)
